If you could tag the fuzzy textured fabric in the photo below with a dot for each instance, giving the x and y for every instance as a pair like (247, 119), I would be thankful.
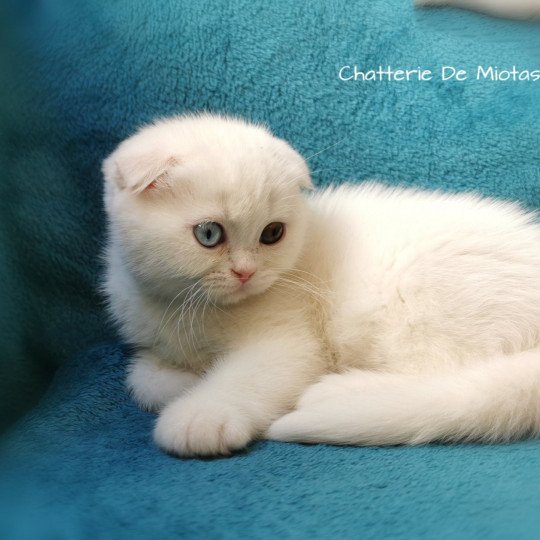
(78, 77)
(83, 465)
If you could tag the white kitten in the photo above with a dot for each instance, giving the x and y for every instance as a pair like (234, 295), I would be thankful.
(196, 313)
(515, 9)
(240, 291)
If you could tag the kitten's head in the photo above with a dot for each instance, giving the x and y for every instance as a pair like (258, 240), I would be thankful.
(207, 200)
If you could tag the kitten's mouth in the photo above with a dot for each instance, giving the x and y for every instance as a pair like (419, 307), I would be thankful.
(239, 292)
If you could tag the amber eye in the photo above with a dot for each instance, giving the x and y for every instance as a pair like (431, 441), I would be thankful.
(272, 233)
(209, 234)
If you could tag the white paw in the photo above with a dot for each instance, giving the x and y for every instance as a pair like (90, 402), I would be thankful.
(195, 426)
(153, 386)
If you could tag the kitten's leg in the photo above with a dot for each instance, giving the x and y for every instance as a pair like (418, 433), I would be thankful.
(153, 385)
(240, 397)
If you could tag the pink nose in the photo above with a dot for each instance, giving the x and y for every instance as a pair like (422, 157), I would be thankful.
(243, 275)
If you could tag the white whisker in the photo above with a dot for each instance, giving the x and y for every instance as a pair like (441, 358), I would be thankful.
(162, 325)
(184, 311)
(303, 285)
(325, 149)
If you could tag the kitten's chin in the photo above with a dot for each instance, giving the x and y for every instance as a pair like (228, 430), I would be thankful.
(238, 295)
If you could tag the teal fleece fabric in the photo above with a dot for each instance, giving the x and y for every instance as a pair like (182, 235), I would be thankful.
(83, 466)
(78, 77)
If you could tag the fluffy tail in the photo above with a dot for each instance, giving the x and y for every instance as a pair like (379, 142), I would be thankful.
(496, 400)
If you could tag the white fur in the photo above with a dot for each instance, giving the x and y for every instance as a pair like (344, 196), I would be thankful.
(431, 301)
(153, 385)
(518, 9)
(497, 401)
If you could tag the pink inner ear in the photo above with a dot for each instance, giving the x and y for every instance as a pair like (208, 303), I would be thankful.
(150, 186)
(162, 180)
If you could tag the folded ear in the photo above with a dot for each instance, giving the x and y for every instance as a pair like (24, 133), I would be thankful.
(138, 168)
(300, 167)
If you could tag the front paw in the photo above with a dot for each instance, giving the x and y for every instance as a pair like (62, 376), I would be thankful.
(192, 426)
(153, 385)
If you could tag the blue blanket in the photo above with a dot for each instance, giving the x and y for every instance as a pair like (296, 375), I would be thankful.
(77, 78)
(83, 465)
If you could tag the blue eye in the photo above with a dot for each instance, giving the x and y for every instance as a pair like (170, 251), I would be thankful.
(272, 233)
(209, 234)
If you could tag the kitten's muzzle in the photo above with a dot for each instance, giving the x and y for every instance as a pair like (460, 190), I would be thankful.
(243, 275)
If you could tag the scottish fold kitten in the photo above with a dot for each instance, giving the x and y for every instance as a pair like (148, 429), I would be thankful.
(384, 315)
(514, 9)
